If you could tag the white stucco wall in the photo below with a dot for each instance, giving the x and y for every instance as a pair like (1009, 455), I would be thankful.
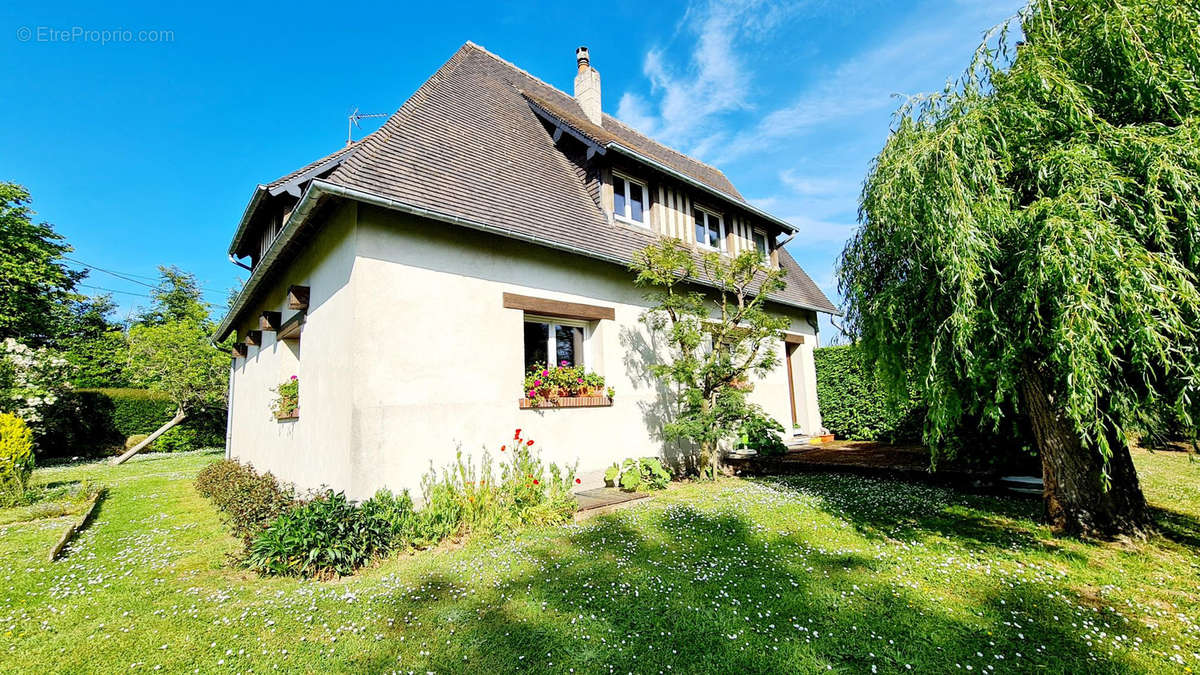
(312, 450)
(409, 354)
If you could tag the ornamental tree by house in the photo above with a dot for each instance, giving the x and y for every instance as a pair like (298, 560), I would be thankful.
(170, 352)
(1030, 240)
(716, 339)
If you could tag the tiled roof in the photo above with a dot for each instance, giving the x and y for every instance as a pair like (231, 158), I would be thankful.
(309, 167)
(468, 145)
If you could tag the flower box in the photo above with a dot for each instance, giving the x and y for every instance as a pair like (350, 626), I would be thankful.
(566, 402)
(284, 417)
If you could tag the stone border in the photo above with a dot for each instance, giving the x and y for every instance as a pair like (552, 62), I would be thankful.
(77, 526)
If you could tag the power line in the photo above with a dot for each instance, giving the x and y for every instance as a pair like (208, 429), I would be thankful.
(113, 290)
(115, 274)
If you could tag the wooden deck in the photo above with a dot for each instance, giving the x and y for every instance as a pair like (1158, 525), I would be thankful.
(595, 501)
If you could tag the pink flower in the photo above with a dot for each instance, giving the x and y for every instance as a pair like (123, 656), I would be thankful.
(532, 393)
(545, 373)
(295, 378)
(580, 380)
(563, 363)
(537, 383)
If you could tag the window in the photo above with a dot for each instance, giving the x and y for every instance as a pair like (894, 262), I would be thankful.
(760, 242)
(559, 339)
(629, 200)
(710, 231)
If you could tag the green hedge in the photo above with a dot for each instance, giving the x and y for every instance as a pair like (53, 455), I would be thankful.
(854, 405)
(97, 421)
(130, 411)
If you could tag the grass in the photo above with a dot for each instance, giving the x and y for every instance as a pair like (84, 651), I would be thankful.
(811, 573)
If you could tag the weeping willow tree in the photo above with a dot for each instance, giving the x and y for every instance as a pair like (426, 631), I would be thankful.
(1029, 244)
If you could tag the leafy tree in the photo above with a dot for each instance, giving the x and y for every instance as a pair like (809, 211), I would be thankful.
(1030, 241)
(96, 345)
(176, 298)
(33, 279)
(170, 352)
(716, 340)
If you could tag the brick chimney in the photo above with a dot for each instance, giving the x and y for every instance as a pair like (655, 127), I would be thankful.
(587, 87)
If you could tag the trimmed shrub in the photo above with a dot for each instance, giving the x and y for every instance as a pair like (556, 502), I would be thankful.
(133, 440)
(853, 403)
(16, 457)
(249, 501)
(97, 421)
(132, 411)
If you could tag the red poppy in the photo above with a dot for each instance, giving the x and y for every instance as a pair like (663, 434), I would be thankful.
(529, 443)
(502, 448)
(577, 481)
(535, 481)
(517, 435)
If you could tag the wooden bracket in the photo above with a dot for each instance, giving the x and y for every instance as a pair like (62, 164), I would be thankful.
(298, 297)
(239, 349)
(270, 321)
(254, 338)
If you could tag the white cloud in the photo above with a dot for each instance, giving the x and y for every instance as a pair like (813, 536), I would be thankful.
(686, 102)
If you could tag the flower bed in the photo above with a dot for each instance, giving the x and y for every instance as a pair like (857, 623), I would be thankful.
(565, 386)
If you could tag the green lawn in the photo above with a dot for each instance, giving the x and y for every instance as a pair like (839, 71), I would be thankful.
(809, 573)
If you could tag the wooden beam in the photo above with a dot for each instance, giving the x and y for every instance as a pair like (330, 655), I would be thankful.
(291, 329)
(254, 338)
(270, 321)
(239, 349)
(298, 297)
(793, 339)
(558, 308)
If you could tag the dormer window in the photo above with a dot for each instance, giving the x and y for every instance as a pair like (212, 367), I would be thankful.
(760, 242)
(710, 231)
(629, 200)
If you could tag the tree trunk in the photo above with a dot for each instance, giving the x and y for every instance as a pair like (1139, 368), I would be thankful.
(1072, 474)
(179, 417)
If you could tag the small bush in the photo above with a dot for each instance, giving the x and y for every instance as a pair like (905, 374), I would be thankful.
(646, 473)
(249, 501)
(761, 434)
(329, 535)
(132, 441)
(16, 458)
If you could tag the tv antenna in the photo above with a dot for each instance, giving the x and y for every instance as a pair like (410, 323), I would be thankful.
(352, 122)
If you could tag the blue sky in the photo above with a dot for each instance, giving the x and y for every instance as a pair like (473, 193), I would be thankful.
(146, 152)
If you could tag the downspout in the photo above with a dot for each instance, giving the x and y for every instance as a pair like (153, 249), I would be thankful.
(240, 264)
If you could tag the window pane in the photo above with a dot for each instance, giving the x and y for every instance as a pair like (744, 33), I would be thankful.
(701, 235)
(714, 233)
(760, 243)
(568, 345)
(536, 337)
(636, 203)
(619, 205)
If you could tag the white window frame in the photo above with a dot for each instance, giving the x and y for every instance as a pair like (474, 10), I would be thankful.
(708, 214)
(552, 346)
(627, 217)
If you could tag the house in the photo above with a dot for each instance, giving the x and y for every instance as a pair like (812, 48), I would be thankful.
(410, 279)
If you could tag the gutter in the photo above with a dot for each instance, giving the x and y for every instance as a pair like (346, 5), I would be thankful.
(318, 188)
(742, 204)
